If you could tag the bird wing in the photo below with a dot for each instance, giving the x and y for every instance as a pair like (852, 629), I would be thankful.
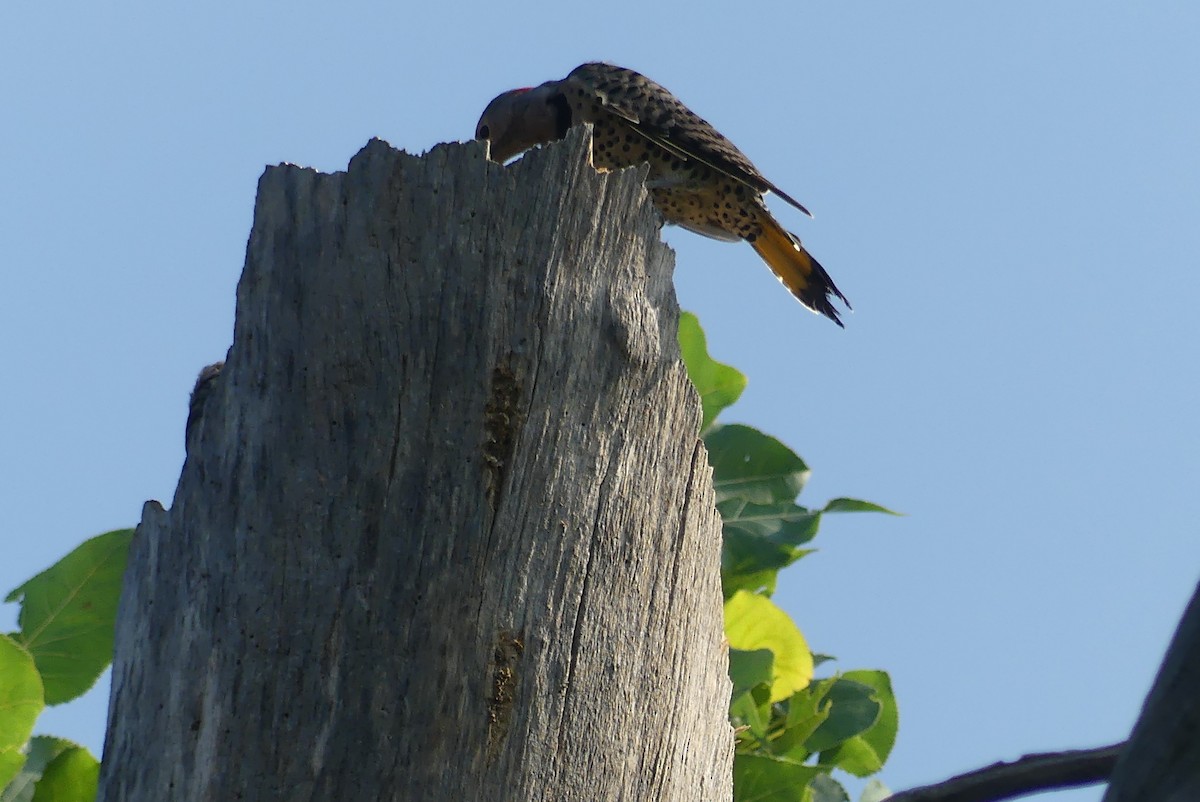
(656, 114)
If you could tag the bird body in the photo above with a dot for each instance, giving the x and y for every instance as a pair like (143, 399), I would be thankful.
(697, 178)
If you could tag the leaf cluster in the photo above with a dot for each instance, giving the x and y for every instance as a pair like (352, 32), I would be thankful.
(792, 730)
(65, 641)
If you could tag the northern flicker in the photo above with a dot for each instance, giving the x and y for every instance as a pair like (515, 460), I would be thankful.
(200, 393)
(698, 179)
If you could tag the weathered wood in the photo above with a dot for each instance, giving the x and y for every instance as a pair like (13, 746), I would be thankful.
(445, 530)
(1162, 760)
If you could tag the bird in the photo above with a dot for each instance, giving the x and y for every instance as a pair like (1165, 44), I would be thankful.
(203, 388)
(698, 179)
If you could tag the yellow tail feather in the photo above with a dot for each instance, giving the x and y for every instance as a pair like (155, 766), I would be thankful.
(797, 269)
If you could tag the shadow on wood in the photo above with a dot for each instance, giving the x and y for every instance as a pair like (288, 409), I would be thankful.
(445, 530)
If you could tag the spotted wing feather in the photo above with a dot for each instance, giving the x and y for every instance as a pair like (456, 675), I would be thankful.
(656, 114)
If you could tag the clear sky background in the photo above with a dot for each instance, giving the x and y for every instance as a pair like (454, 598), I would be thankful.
(1008, 193)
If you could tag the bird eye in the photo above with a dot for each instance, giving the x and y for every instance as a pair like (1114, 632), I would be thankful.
(483, 133)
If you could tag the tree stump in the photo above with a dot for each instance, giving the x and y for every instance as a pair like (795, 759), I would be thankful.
(445, 530)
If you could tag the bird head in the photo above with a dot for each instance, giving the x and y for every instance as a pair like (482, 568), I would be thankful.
(518, 119)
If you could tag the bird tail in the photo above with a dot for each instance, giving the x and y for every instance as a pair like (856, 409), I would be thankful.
(797, 269)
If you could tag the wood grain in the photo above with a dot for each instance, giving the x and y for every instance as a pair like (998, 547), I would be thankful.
(445, 530)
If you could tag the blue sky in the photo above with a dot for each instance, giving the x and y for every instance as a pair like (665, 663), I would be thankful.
(1008, 195)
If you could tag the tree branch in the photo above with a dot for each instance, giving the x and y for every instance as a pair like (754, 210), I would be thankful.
(1162, 762)
(1030, 774)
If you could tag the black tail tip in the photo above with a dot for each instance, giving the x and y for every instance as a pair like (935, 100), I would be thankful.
(820, 292)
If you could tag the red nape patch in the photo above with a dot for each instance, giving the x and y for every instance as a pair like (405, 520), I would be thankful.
(520, 89)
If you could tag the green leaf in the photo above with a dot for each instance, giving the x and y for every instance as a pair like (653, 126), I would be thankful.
(852, 711)
(808, 703)
(68, 615)
(752, 709)
(20, 703)
(856, 505)
(781, 522)
(866, 752)
(805, 713)
(73, 776)
(750, 668)
(752, 466)
(760, 539)
(761, 778)
(826, 789)
(760, 582)
(42, 749)
(754, 622)
(874, 791)
(718, 385)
